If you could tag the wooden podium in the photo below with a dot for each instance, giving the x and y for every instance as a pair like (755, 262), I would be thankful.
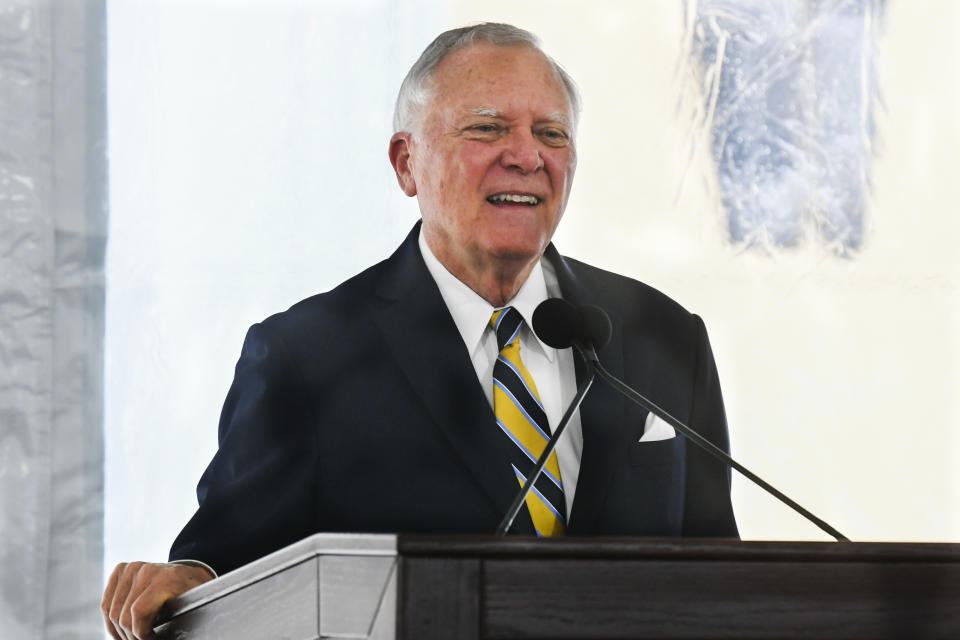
(385, 587)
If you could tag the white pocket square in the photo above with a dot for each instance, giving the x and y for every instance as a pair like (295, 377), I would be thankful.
(656, 429)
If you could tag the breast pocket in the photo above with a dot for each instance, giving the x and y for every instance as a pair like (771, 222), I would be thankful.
(646, 495)
(657, 453)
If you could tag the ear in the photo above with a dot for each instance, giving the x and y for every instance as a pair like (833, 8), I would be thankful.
(400, 159)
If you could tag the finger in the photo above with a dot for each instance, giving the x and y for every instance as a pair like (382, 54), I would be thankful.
(166, 582)
(145, 609)
(107, 600)
(145, 575)
(110, 628)
(120, 594)
(110, 588)
(124, 573)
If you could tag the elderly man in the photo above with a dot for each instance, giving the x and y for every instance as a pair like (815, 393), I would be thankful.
(414, 397)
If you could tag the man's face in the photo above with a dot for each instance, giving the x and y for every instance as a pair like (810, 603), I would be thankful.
(494, 160)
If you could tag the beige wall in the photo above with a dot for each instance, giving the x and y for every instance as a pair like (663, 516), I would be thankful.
(840, 376)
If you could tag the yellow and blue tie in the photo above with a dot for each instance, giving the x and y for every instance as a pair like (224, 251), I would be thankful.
(520, 415)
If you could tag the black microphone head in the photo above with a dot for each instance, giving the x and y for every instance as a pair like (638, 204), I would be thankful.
(595, 327)
(556, 322)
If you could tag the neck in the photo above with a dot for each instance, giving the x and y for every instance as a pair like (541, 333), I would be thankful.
(495, 280)
(498, 287)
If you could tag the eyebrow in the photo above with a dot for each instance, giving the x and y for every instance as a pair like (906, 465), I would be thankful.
(487, 111)
(490, 112)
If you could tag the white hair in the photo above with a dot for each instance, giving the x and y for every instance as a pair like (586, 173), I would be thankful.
(415, 92)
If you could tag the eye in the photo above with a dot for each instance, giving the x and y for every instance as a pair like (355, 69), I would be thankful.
(554, 137)
(484, 128)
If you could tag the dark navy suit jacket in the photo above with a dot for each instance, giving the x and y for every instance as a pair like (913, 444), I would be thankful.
(358, 410)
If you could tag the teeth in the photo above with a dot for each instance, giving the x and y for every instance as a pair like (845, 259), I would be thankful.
(513, 197)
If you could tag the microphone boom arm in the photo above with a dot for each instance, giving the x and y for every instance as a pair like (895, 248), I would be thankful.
(560, 324)
(708, 446)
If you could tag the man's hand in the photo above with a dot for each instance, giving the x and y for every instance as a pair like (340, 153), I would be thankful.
(136, 591)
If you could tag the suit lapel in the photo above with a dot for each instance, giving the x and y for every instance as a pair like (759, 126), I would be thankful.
(423, 338)
(602, 414)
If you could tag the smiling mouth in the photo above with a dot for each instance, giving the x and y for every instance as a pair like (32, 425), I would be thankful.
(514, 198)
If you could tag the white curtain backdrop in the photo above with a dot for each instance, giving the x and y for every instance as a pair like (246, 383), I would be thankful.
(52, 234)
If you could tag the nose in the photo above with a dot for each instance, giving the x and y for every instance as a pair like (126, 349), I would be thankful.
(522, 153)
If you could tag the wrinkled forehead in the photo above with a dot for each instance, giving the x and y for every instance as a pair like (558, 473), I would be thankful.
(480, 65)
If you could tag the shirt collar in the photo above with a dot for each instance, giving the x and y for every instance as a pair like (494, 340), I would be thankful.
(471, 313)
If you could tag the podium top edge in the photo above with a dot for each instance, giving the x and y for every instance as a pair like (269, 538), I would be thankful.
(319, 544)
(675, 548)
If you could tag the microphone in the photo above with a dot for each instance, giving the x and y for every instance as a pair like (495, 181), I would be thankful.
(556, 322)
(560, 324)
(588, 328)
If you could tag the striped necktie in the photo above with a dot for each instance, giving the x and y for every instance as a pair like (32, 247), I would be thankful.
(520, 415)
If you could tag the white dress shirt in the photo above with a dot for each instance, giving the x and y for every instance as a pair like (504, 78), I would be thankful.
(552, 369)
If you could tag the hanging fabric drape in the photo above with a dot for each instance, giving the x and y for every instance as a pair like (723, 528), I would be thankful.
(53, 214)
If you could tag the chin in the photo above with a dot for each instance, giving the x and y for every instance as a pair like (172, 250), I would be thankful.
(516, 252)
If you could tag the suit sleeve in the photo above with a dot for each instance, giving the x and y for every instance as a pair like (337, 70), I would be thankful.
(708, 511)
(258, 493)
